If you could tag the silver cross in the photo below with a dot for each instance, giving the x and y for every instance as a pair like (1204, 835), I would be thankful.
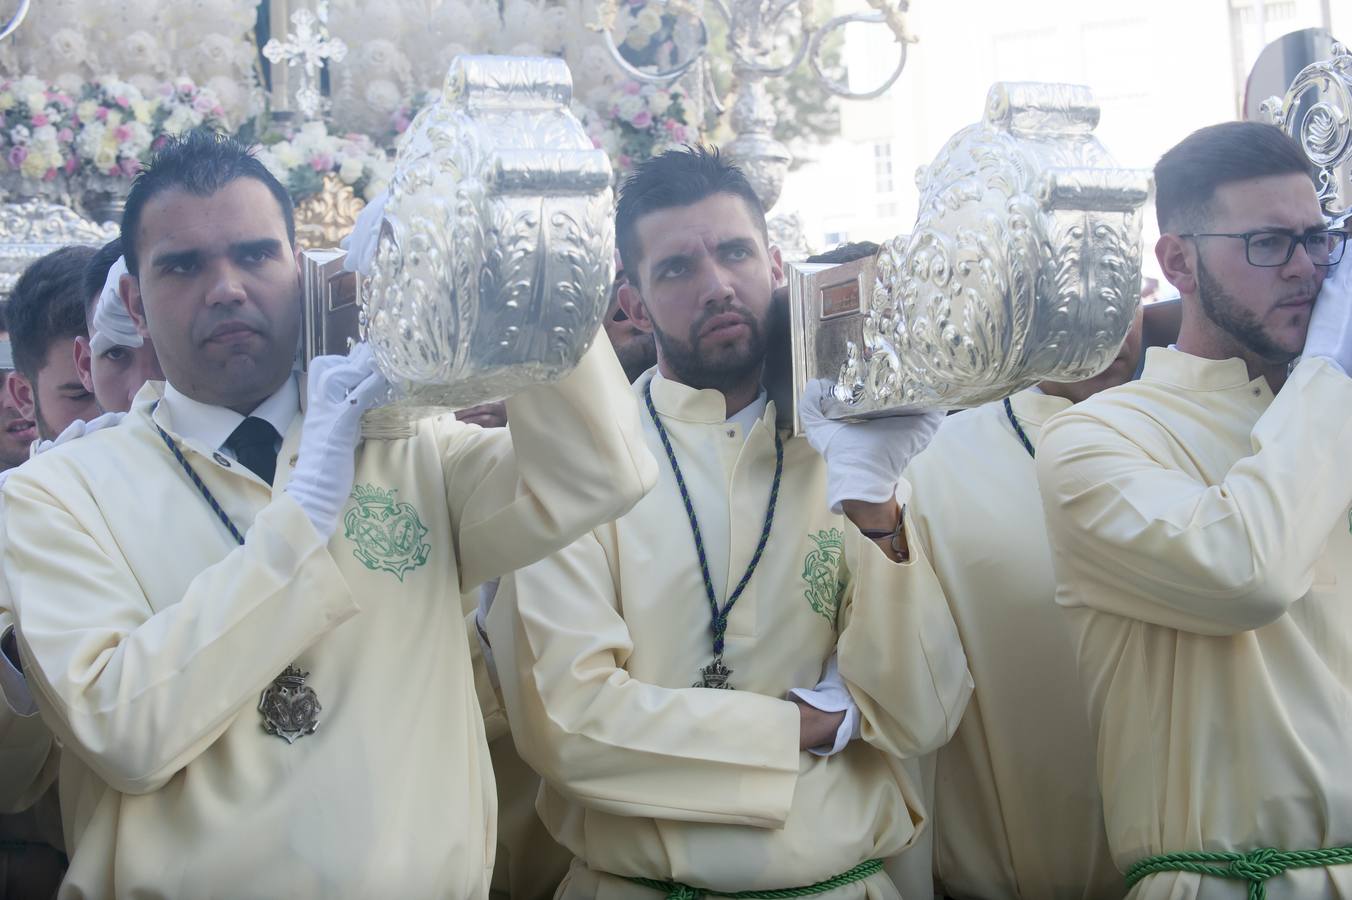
(308, 47)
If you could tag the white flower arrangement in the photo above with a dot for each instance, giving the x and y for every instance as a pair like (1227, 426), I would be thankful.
(301, 160)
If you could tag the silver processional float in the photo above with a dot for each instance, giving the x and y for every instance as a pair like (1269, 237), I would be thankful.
(496, 253)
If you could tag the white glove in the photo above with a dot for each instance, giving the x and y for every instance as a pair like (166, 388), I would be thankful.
(340, 389)
(864, 460)
(78, 429)
(361, 243)
(1330, 333)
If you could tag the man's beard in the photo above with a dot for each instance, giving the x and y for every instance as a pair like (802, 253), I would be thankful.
(45, 432)
(690, 365)
(1241, 324)
(637, 355)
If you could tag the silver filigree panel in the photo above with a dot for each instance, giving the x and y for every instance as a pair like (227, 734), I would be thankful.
(1023, 266)
(31, 230)
(497, 252)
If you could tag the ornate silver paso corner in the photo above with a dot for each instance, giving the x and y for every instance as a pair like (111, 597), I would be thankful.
(497, 252)
(31, 230)
(1317, 113)
(1024, 265)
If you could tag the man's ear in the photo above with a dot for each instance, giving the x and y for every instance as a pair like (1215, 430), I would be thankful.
(633, 307)
(776, 267)
(1177, 257)
(84, 363)
(129, 288)
(21, 395)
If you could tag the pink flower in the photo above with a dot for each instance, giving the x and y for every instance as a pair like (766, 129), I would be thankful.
(114, 172)
(71, 165)
(102, 114)
(65, 135)
(596, 142)
(64, 100)
(625, 161)
(17, 155)
(218, 111)
(39, 120)
(166, 90)
(631, 87)
(131, 166)
(322, 163)
(122, 102)
(159, 142)
(122, 133)
(49, 175)
(203, 104)
(643, 119)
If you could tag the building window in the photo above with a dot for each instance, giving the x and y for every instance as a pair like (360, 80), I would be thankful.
(882, 168)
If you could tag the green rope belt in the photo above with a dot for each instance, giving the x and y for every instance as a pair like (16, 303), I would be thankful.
(677, 891)
(1255, 867)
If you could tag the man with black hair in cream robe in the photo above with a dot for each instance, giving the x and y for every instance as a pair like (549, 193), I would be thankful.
(33, 858)
(1014, 800)
(1200, 535)
(675, 752)
(253, 650)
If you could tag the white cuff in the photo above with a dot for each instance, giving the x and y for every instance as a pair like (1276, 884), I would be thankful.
(831, 695)
(487, 591)
(18, 697)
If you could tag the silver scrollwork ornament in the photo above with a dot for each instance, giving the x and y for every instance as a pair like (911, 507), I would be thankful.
(497, 248)
(1023, 266)
(1317, 112)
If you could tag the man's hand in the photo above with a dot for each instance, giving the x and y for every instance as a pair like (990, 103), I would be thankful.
(340, 390)
(816, 728)
(78, 429)
(1330, 332)
(485, 415)
(864, 460)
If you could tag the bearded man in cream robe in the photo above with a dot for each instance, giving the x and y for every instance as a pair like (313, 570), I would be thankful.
(241, 620)
(1014, 796)
(1199, 528)
(719, 687)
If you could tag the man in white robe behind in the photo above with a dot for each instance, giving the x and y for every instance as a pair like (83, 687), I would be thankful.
(1199, 522)
(1016, 812)
(242, 620)
(612, 657)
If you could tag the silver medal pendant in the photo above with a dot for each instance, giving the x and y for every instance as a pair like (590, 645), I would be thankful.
(715, 675)
(289, 706)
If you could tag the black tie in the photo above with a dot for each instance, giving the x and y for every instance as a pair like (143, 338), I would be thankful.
(255, 445)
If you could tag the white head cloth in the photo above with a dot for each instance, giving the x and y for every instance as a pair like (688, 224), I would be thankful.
(361, 243)
(112, 325)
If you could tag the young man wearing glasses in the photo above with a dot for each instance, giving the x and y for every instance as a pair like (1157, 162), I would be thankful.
(1199, 521)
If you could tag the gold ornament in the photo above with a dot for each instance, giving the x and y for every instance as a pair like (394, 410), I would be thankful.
(322, 220)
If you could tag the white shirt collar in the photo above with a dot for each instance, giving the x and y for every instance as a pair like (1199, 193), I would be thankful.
(211, 426)
(750, 414)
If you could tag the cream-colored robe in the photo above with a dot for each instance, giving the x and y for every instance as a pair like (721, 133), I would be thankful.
(151, 634)
(1016, 808)
(1200, 533)
(598, 645)
(27, 754)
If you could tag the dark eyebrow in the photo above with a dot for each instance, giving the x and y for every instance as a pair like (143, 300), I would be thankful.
(177, 258)
(262, 245)
(737, 244)
(1283, 229)
(668, 261)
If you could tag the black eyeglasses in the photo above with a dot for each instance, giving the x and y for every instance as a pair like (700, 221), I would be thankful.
(1269, 249)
